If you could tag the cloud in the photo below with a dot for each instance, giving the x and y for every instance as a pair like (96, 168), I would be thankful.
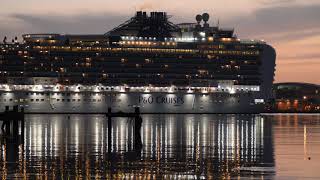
(146, 5)
(314, 55)
(274, 23)
(77, 24)
(72, 24)
(276, 2)
(279, 23)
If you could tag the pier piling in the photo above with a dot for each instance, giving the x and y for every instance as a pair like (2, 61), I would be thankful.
(137, 126)
(11, 121)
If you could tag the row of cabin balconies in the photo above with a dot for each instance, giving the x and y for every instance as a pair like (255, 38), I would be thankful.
(134, 58)
(127, 76)
(95, 65)
(191, 73)
(53, 52)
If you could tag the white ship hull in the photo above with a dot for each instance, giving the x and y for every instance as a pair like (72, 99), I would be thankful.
(92, 102)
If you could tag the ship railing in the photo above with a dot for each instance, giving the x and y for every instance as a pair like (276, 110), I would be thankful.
(251, 41)
(101, 89)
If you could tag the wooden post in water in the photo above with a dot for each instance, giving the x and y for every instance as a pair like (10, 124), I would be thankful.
(137, 129)
(109, 129)
(22, 123)
(5, 122)
(11, 121)
(14, 119)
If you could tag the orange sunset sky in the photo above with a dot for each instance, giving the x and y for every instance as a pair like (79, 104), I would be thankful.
(291, 26)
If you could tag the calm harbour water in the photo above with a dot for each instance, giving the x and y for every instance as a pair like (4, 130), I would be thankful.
(174, 146)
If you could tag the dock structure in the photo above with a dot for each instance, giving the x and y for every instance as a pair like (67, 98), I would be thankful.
(11, 121)
(136, 115)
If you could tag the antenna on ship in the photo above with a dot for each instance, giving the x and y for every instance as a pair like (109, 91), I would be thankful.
(5, 40)
(205, 17)
(198, 19)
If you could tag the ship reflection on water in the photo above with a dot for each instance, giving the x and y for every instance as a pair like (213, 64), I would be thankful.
(174, 146)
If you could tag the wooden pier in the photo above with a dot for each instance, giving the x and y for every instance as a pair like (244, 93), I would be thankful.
(11, 121)
(136, 115)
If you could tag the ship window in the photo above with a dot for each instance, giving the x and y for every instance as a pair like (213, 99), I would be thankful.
(123, 60)
(31, 100)
(37, 99)
(78, 100)
(73, 99)
(10, 99)
(42, 99)
(62, 99)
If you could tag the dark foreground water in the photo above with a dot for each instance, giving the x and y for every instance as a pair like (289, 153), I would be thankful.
(174, 147)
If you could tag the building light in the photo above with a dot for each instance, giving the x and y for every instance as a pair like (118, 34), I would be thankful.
(170, 90)
(258, 101)
(202, 34)
(232, 91)
(122, 89)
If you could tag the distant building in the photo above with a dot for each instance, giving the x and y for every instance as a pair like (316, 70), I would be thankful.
(296, 97)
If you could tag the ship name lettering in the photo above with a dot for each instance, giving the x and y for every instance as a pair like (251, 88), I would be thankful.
(160, 100)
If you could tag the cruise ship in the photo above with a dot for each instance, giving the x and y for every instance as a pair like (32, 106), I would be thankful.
(146, 62)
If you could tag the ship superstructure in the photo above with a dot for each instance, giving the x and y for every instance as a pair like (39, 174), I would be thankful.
(147, 62)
